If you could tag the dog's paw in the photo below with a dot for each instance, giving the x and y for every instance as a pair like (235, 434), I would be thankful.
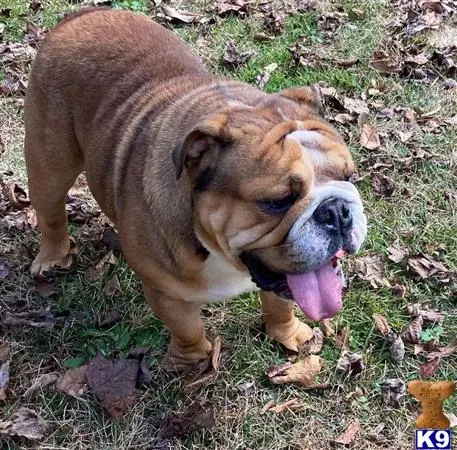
(293, 335)
(187, 359)
(60, 256)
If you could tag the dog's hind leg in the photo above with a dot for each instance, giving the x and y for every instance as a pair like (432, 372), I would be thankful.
(54, 161)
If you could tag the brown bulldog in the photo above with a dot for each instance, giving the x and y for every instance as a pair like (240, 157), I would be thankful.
(216, 188)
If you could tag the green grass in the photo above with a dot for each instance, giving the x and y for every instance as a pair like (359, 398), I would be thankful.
(422, 222)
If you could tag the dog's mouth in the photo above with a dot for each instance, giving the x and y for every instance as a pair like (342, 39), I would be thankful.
(318, 292)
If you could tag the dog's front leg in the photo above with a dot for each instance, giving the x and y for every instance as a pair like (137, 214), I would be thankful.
(282, 325)
(188, 343)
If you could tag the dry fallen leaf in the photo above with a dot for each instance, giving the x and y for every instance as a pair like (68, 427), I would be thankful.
(17, 197)
(356, 106)
(234, 58)
(384, 62)
(348, 436)
(427, 313)
(444, 352)
(211, 371)
(393, 392)
(371, 268)
(44, 287)
(95, 272)
(369, 137)
(172, 14)
(396, 252)
(113, 383)
(424, 266)
(32, 319)
(351, 363)
(291, 404)
(263, 78)
(39, 383)
(397, 347)
(5, 358)
(196, 417)
(381, 324)
(223, 7)
(428, 369)
(342, 338)
(113, 287)
(25, 423)
(413, 331)
(383, 186)
(73, 381)
(314, 346)
(328, 327)
(303, 372)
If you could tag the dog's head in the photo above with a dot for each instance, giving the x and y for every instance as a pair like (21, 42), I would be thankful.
(272, 191)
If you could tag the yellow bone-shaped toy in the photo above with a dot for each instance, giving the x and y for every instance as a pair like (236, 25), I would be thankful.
(431, 395)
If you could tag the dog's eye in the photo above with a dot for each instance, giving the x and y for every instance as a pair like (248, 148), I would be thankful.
(279, 206)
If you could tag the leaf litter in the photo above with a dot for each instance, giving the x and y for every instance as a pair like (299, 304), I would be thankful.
(25, 423)
(302, 372)
(5, 360)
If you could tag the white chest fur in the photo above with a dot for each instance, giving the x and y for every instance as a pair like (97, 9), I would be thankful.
(223, 280)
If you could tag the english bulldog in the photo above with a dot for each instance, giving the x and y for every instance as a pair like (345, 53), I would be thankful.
(216, 188)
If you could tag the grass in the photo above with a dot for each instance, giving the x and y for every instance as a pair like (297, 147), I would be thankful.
(422, 222)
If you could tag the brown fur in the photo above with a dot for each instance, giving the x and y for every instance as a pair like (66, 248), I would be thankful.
(119, 96)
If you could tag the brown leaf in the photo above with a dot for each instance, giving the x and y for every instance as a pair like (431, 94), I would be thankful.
(444, 352)
(315, 344)
(109, 319)
(399, 290)
(234, 58)
(344, 118)
(113, 383)
(383, 62)
(351, 363)
(39, 383)
(113, 287)
(290, 405)
(342, 338)
(381, 324)
(355, 106)
(20, 220)
(393, 392)
(32, 319)
(427, 313)
(303, 372)
(263, 78)
(73, 382)
(330, 22)
(348, 436)
(44, 287)
(424, 266)
(428, 369)
(371, 268)
(232, 7)
(25, 423)
(328, 327)
(275, 20)
(17, 197)
(95, 272)
(397, 347)
(5, 359)
(383, 186)
(211, 371)
(369, 137)
(174, 15)
(196, 417)
(413, 331)
(397, 253)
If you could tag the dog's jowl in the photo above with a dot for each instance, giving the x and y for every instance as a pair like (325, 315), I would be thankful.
(216, 188)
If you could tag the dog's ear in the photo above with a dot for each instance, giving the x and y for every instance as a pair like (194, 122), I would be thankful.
(200, 148)
(305, 96)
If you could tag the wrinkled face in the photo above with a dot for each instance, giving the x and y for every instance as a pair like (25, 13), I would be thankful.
(276, 196)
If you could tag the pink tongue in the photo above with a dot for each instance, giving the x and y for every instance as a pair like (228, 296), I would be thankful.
(317, 293)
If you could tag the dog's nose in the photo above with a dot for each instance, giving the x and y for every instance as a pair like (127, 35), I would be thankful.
(334, 214)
